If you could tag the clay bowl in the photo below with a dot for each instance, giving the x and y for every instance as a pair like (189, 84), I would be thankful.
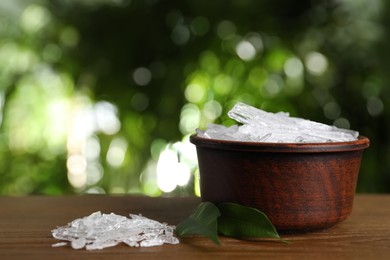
(300, 187)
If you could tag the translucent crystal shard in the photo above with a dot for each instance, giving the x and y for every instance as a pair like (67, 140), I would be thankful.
(78, 243)
(59, 244)
(261, 126)
(98, 231)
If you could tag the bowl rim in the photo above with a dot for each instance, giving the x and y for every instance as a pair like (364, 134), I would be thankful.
(361, 143)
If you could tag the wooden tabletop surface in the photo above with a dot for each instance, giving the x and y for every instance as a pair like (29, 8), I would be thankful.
(26, 224)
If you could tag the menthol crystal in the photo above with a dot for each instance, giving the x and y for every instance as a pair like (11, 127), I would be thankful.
(261, 126)
(98, 231)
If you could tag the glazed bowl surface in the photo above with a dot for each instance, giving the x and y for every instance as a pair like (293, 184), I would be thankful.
(299, 186)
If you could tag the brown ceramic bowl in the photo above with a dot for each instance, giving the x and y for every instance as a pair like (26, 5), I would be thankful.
(300, 187)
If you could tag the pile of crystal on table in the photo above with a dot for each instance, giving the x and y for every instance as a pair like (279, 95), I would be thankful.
(261, 126)
(98, 231)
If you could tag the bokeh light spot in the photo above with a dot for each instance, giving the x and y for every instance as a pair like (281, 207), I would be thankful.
(166, 170)
(375, 106)
(257, 76)
(139, 101)
(180, 34)
(200, 25)
(316, 63)
(332, 110)
(106, 117)
(189, 118)
(194, 93)
(174, 17)
(183, 174)
(256, 40)
(209, 62)
(52, 53)
(342, 123)
(245, 50)
(94, 173)
(226, 29)
(92, 150)
(212, 110)
(77, 166)
(157, 147)
(116, 152)
(293, 67)
(272, 86)
(223, 84)
(34, 18)
(142, 76)
(69, 36)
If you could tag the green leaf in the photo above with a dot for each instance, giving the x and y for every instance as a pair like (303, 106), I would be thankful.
(240, 221)
(203, 221)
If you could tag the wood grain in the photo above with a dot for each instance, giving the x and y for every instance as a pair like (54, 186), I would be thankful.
(26, 222)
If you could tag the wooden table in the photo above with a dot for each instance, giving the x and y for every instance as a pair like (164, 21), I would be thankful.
(26, 224)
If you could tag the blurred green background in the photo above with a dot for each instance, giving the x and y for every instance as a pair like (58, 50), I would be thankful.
(101, 96)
